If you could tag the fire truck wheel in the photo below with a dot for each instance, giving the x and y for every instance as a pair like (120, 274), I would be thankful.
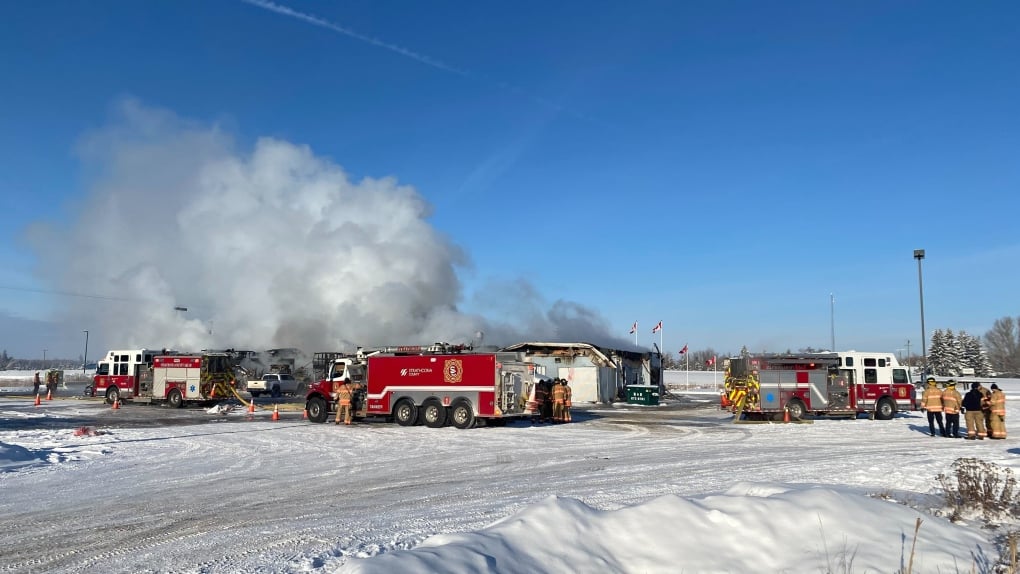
(405, 413)
(318, 410)
(884, 410)
(796, 408)
(112, 395)
(433, 413)
(462, 415)
(175, 399)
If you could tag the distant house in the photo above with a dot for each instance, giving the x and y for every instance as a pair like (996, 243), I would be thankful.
(595, 374)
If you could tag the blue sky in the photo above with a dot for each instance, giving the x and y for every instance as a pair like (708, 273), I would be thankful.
(721, 166)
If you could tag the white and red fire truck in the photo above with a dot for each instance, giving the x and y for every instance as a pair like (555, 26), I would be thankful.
(433, 385)
(147, 376)
(117, 375)
(846, 383)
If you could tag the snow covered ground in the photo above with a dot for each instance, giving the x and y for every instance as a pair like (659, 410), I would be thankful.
(622, 489)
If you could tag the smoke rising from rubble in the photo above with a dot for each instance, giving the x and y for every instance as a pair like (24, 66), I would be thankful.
(266, 248)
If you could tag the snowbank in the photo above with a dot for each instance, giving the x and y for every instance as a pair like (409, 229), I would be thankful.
(750, 528)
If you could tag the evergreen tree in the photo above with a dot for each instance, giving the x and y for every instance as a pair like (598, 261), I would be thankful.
(954, 354)
(937, 359)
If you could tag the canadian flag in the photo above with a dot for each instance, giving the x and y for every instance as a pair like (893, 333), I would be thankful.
(657, 328)
(633, 328)
(684, 350)
(710, 362)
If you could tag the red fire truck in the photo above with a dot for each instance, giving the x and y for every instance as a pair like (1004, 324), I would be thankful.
(845, 383)
(432, 385)
(146, 376)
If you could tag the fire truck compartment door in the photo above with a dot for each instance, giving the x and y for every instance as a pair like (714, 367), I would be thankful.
(771, 385)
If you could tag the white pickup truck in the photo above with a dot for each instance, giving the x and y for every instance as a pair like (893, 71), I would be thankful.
(274, 384)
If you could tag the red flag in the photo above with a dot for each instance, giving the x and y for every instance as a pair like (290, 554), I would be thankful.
(657, 328)
(711, 361)
(633, 329)
(684, 350)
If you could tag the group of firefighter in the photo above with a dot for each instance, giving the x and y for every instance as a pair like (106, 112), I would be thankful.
(984, 409)
(551, 401)
(53, 378)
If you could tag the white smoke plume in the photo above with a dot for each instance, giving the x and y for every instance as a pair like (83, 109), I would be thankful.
(266, 248)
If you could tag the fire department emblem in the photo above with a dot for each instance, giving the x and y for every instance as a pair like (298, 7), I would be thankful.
(453, 371)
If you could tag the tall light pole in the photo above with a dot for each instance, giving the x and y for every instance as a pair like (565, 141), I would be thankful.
(85, 358)
(832, 321)
(44, 359)
(180, 310)
(919, 255)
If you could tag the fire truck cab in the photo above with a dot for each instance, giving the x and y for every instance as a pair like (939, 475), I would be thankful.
(845, 383)
(117, 375)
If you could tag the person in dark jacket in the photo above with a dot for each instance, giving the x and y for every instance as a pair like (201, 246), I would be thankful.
(972, 403)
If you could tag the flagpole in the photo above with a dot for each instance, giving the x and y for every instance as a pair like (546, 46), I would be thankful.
(687, 361)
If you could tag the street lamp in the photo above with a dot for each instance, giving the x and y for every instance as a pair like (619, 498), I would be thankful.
(180, 310)
(85, 359)
(919, 255)
(44, 359)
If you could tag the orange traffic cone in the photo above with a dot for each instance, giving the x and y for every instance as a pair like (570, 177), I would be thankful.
(276, 412)
(37, 400)
(116, 403)
(304, 413)
(49, 395)
(251, 406)
(786, 415)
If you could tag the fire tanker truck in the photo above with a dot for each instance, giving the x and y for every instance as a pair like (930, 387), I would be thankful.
(146, 376)
(432, 385)
(846, 383)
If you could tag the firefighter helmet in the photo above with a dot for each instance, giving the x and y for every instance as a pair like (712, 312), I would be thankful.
(951, 383)
(931, 380)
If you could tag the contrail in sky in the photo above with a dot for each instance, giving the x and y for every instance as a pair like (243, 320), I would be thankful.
(421, 58)
(322, 23)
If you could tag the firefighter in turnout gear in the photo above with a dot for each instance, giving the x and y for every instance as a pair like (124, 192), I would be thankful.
(559, 397)
(566, 402)
(951, 402)
(986, 408)
(931, 401)
(541, 399)
(998, 418)
(344, 397)
(972, 403)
